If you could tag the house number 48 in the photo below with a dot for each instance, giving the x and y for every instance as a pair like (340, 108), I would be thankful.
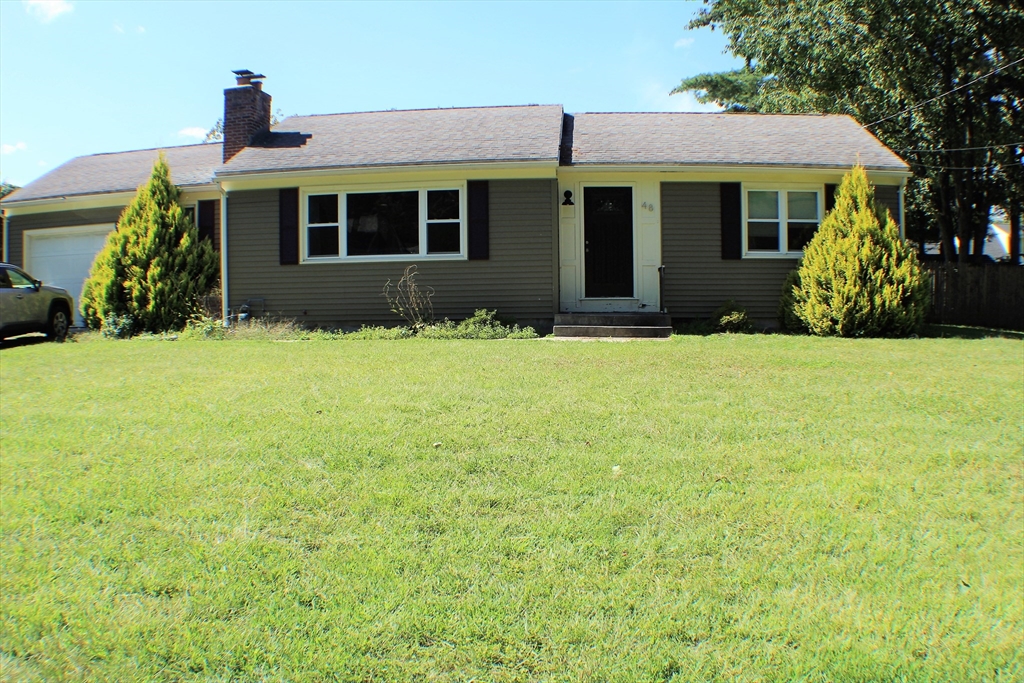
(647, 206)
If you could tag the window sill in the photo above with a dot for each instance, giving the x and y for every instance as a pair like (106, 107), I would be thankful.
(770, 255)
(383, 258)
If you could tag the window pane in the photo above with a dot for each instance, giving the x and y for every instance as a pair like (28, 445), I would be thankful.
(442, 238)
(803, 206)
(800, 234)
(323, 241)
(762, 204)
(762, 236)
(383, 223)
(442, 205)
(323, 208)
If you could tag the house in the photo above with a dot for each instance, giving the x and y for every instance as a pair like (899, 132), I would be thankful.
(524, 209)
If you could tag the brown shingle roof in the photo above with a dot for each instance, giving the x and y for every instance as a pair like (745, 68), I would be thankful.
(790, 140)
(406, 138)
(122, 172)
(491, 134)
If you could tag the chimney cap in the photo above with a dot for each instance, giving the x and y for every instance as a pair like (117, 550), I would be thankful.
(246, 77)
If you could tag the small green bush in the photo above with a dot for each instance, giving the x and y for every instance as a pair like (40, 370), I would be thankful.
(380, 332)
(204, 326)
(119, 326)
(857, 277)
(731, 317)
(483, 324)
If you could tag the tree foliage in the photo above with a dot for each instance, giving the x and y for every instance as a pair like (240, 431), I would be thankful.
(917, 73)
(153, 267)
(857, 277)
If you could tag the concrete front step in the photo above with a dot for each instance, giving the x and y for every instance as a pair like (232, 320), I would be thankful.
(621, 331)
(614, 319)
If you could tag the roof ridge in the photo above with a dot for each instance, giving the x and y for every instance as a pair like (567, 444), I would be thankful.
(403, 111)
(701, 113)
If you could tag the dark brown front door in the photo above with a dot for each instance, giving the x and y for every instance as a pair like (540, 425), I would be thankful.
(608, 241)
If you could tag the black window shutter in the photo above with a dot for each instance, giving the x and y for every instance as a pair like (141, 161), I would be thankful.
(830, 197)
(732, 218)
(288, 216)
(479, 220)
(207, 218)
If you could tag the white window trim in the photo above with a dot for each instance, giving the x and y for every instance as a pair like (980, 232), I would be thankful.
(783, 216)
(342, 191)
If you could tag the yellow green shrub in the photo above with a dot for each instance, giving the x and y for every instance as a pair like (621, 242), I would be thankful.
(857, 277)
(153, 267)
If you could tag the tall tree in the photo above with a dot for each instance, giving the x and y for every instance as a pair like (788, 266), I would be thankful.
(939, 81)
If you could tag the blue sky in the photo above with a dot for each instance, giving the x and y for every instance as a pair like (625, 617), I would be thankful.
(86, 77)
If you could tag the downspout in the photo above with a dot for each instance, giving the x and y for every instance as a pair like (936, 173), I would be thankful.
(7, 248)
(903, 213)
(224, 256)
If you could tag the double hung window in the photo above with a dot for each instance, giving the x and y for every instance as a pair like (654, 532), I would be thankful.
(393, 224)
(781, 221)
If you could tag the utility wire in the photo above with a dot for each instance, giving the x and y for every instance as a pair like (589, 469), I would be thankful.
(956, 168)
(948, 92)
(965, 149)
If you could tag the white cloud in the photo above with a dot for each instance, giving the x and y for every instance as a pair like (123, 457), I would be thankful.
(140, 29)
(47, 10)
(118, 28)
(11, 149)
(193, 132)
(684, 42)
(42, 164)
(655, 97)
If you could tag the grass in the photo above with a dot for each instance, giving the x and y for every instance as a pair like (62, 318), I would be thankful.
(710, 508)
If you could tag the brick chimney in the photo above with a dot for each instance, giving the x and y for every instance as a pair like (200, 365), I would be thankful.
(246, 112)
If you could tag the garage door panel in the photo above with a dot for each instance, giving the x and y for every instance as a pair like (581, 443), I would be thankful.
(64, 259)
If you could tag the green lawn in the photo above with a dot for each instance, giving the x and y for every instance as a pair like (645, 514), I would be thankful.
(725, 508)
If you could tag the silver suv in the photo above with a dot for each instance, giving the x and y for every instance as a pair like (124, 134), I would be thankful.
(26, 305)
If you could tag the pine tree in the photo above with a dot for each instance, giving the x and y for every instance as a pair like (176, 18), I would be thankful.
(153, 267)
(857, 277)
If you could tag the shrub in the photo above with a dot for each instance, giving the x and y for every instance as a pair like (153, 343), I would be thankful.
(119, 326)
(788, 319)
(731, 317)
(153, 267)
(483, 324)
(203, 326)
(857, 277)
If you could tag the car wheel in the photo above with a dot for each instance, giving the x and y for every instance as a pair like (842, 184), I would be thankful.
(57, 328)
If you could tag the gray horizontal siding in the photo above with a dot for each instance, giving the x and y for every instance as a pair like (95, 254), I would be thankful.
(697, 280)
(889, 197)
(517, 279)
(17, 225)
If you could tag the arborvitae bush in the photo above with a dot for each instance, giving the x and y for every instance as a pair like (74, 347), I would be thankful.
(154, 267)
(857, 277)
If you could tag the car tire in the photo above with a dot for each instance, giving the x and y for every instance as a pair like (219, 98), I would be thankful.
(58, 324)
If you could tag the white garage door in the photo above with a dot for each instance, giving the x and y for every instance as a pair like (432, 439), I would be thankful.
(62, 257)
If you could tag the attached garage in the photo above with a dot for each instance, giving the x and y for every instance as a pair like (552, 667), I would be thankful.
(62, 257)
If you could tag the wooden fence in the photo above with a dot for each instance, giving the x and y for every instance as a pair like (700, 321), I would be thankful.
(984, 296)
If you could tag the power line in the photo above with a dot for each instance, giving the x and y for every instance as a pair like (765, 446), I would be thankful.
(956, 168)
(948, 92)
(965, 149)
